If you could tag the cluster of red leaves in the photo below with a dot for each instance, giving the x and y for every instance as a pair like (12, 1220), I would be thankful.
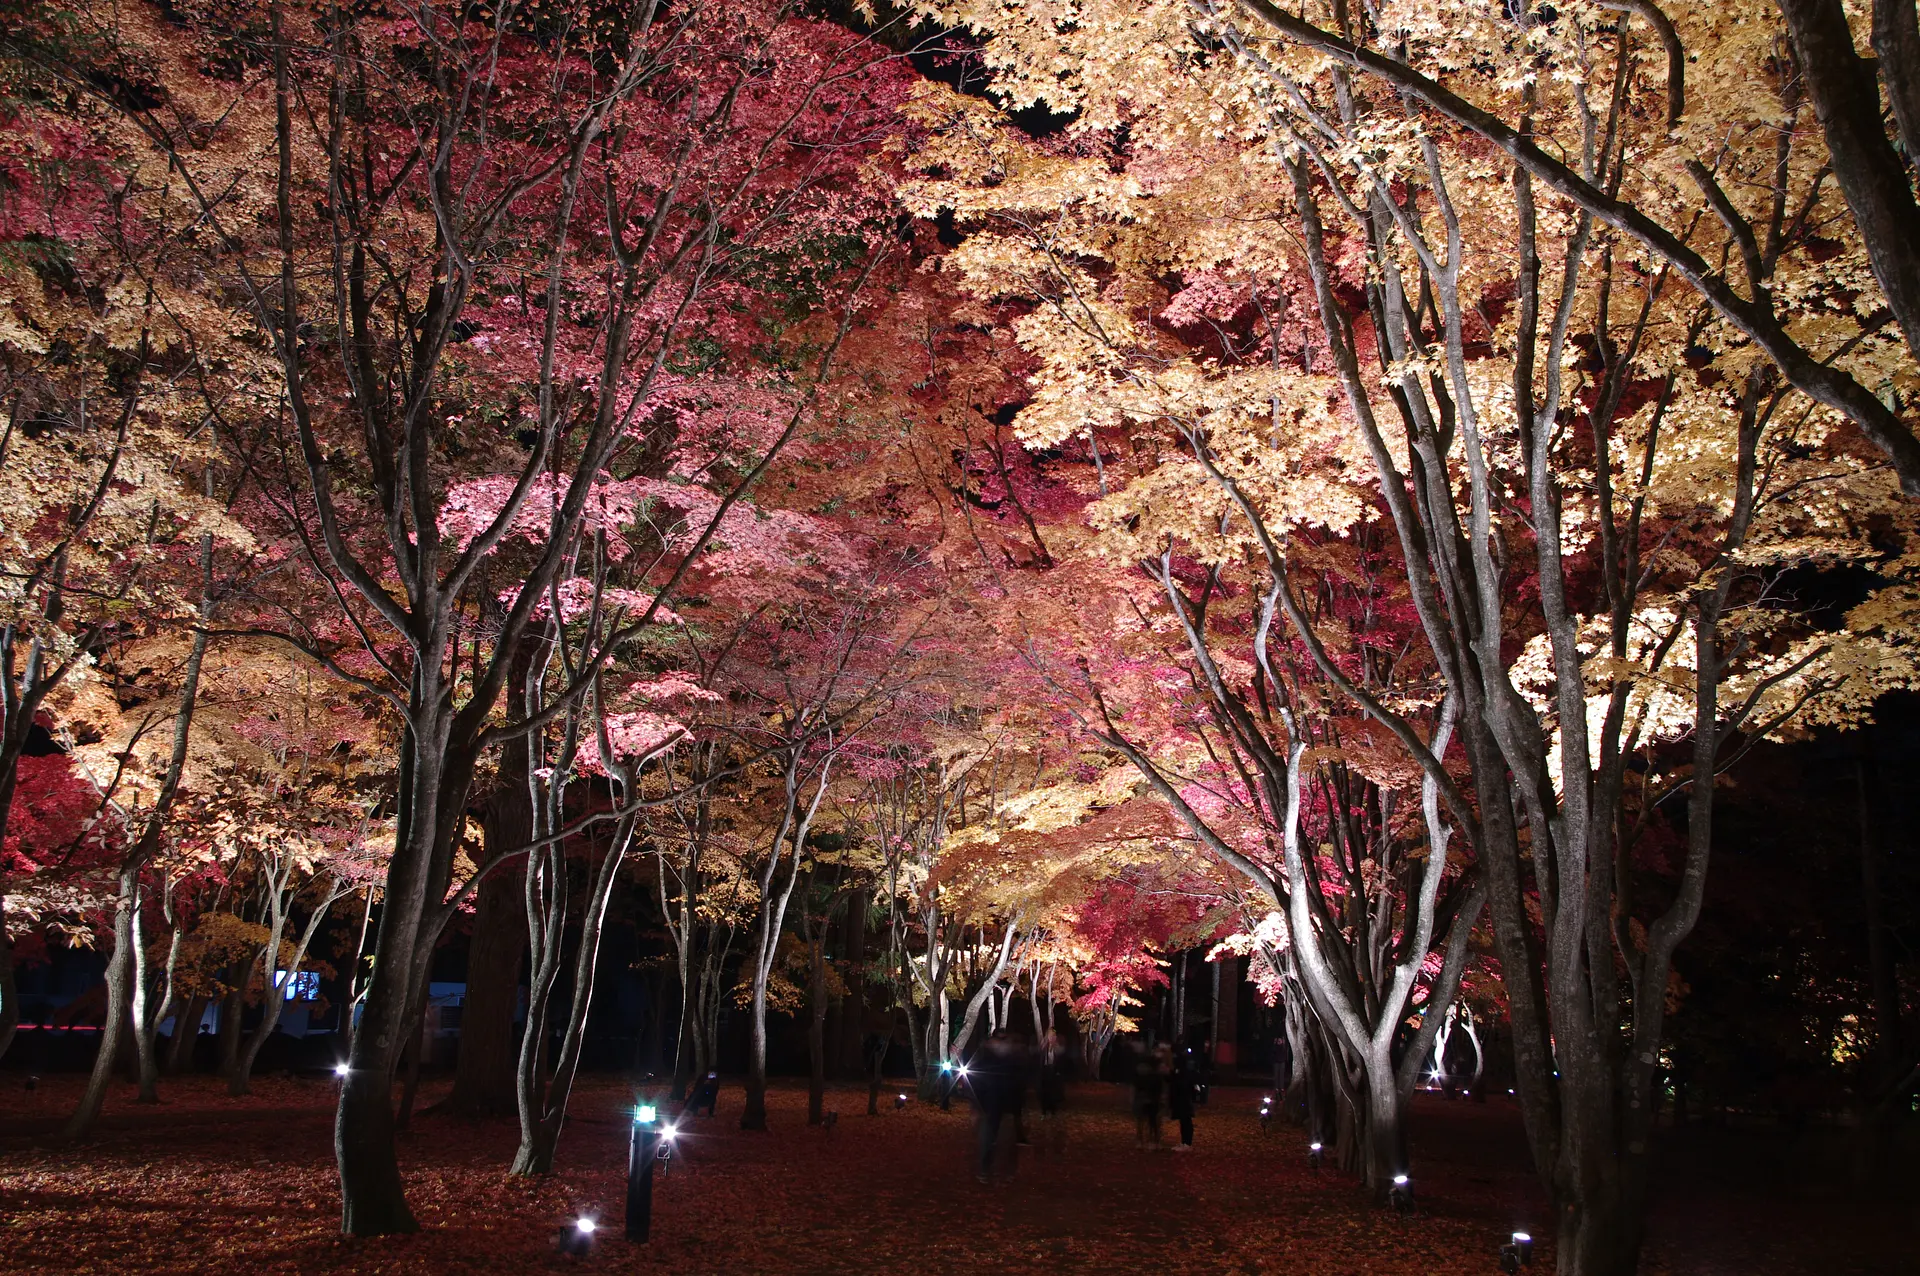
(213, 1185)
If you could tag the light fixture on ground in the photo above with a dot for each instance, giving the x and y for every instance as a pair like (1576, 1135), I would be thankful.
(578, 1239)
(1400, 1195)
(899, 1101)
(648, 1143)
(1516, 1253)
(1315, 1152)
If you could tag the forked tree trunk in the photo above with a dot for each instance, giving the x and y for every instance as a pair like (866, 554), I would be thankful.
(186, 1032)
(540, 1136)
(276, 997)
(795, 824)
(119, 978)
(147, 1014)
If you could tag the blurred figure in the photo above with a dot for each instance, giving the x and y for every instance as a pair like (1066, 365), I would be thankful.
(1051, 1057)
(707, 1093)
(1149, 1079)
(997, 1080)
(873, 1054)
(1183, 1086)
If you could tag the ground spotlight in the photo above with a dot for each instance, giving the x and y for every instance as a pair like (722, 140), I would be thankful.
(1516, 1253)
(578, 1239)
(341, 1069)
(1314, 1153)
(1400, 1195)
(899, 1101)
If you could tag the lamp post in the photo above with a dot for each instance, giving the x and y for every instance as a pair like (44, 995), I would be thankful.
(1516, 1253)
(642, 1150)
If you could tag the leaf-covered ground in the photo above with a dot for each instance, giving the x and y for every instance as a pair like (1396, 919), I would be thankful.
(206, 1184)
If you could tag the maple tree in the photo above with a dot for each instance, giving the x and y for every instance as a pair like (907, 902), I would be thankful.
(1336, 486)
(1598, 609)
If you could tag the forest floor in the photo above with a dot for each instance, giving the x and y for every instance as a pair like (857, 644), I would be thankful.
(209, 1185)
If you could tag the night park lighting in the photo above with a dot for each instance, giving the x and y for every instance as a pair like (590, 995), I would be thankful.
(1400, 1195)
(649, 1143)
(341, 1070)
(1516, 1253)
(1314, 1155)
(578, 1239)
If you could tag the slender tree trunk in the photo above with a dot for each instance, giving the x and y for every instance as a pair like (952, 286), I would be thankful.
(147, 1019)
(539, 1138)
(276, 997)
(9, 985)
(120, 965)
(817, 1027)
(233, 1008)
(119, 1010)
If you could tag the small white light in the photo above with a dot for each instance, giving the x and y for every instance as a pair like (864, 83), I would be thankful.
(1521, 1236)
(1399, 1180)
(584, 1226)
(667, 1132)
(341, 1069)
(903, 1098)
(1313, 1147)
(963, 1069)
(644, 1113)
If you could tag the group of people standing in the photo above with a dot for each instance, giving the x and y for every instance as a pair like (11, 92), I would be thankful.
(998, 1077)
(1001, 1072)
(1161, 1072)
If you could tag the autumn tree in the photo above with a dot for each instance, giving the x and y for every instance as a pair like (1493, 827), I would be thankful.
(1524, 404)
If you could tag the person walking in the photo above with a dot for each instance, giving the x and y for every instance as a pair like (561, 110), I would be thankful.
(1183, 1085)
(996, 1080)
(1149, 1080)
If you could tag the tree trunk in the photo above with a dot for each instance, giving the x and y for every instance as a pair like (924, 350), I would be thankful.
(9, 988)
(373, 1200)
(276, 996)
(483, 1075)
(186, 1031)
(119, 1010)
(120, 965)
(853, 1007)
(817, 1027)
(539, 1138)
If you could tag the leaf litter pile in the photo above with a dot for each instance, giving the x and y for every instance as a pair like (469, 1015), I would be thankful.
(210, 1184)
